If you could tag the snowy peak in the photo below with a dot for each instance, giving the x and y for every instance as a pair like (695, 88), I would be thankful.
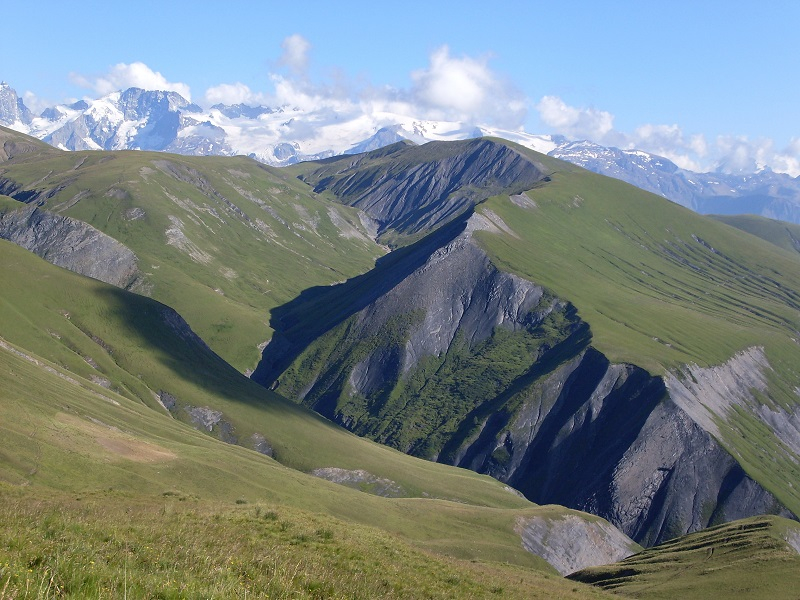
(238, 111)
(590, 155)
(13, 112)
(283, 135)
(131, 119)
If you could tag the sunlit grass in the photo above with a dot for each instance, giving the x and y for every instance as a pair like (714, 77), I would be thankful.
(111, 545)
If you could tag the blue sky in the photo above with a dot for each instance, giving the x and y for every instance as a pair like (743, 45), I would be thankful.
(699, 81)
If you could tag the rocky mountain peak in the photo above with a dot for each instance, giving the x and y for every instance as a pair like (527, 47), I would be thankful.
(12, 108)
(422, 187)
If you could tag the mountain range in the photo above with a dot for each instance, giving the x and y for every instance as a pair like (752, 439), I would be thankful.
(623, 368)
(279, 136)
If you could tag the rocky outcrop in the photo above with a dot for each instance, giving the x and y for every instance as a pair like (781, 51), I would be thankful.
(73, 245)
(423, 187)
(361, 480)
(570, 542)
(607, 439)
(440, 354)
(12, 108)
(13, 144)
(713, 395)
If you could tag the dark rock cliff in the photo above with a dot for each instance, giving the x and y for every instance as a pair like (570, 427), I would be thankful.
(71, 244)
(411, 189)
(448, 358)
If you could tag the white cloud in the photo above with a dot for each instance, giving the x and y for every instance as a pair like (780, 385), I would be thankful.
(309, 97)
(699, 145)
(35, 104)
(572, 122)
(739, 154)
(788, 161)
(670, 142)
(449, 88)
(466, 88)
(729, 154)
(122, 76)
(295, 53)
(232, 93)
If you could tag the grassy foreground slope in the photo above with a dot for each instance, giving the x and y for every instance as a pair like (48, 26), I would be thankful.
(179, 535)
(222, 240)
(105, 545)
(98, 487)
(743, 559)
(132, 346)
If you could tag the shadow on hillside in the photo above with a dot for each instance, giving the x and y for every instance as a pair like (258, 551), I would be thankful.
(156, 333)
(319, 309)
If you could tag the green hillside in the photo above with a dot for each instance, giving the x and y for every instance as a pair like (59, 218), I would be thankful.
(617, 288)
(660, 285)
(743, 559)
(644, 308)
(132, 346)
(97, 476)
(780, 233)
(663, 287)
(221, 240)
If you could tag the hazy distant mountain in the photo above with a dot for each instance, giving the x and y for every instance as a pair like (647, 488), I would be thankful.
(769, 194)
(279, 136)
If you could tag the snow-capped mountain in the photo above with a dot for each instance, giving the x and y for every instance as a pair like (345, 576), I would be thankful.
(769, 194)
(279, 136)
(12, 109)
(152, 120)
(134, 118)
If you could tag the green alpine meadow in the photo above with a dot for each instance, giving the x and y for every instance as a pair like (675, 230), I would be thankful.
(452, 370)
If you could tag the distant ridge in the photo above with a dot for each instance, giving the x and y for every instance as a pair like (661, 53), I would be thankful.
(285, 135)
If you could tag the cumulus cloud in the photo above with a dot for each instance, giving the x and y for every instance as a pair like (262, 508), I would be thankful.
(122, 76)
(739, 154)
(35, 104)
(572, 122)
(694, 152)
(670, 142)
(467, 88)
(448, 88)
(295, 53)
(232, 93)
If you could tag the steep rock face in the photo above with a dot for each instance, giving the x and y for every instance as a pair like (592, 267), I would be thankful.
(450, 306)
(71, 244)
(12, 108)
(411, 189)
(607, 439)
(456, 361)
(716, 393)
(571, 542)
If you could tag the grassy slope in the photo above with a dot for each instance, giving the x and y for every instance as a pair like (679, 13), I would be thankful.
(108, 545)
(779, 233)
(71, 321)
(135, 488)
(242, 266)
(742, 559)
(653, 294)
(660, 287)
